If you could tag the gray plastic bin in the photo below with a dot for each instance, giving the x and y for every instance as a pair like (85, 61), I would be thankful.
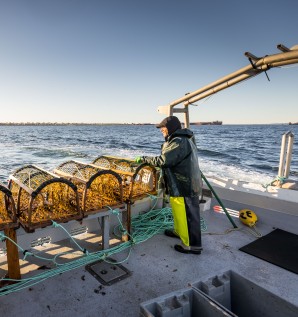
(183, 303)
(244, 297)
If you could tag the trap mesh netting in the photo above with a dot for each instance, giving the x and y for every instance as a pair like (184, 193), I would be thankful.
(42, 197)
(8, 217)
(138, 179)
(97, 187)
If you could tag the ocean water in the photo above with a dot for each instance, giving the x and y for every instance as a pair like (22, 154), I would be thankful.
(244, 152)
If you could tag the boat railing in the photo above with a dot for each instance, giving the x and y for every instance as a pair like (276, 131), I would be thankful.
(285, 155)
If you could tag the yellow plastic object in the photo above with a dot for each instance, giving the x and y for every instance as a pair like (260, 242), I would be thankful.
(248, 217)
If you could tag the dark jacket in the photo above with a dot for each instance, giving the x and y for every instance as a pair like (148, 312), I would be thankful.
(179, 163)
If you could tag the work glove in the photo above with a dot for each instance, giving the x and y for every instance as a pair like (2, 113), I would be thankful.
(138, 159)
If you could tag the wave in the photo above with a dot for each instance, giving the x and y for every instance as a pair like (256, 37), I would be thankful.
(262, 167)
(57, 153)
(240, 173)
(217, 154)
(240, 152)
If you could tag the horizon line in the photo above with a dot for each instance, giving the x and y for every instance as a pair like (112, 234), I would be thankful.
(119, 123)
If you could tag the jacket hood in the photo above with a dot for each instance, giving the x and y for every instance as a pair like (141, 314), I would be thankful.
(182, 132)
(172, 123)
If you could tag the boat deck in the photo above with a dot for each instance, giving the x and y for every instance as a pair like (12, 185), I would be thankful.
(157, 269)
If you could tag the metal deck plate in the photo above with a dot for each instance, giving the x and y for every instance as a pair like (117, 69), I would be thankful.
(107, 273)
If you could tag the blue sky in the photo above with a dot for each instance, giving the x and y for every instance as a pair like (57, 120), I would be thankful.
(118, 60)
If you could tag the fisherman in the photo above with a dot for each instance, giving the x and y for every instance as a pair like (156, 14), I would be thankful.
(183, 183)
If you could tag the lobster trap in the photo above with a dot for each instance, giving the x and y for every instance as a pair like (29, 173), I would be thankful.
(9, 223)
(8, 217)
(42, 197)
(138, 180)
(98, 188)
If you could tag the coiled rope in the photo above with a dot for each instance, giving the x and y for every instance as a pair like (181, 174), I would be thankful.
(144, 226)
(279, 179)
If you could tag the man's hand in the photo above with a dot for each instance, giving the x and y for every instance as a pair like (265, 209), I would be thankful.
(138, 159)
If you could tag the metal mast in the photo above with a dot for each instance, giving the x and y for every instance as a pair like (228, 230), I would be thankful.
(257, 65)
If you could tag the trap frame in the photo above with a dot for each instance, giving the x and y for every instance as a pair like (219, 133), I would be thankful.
(43, 197)
(98, 188)
(138, 180)
(9, 223)
(8, 216)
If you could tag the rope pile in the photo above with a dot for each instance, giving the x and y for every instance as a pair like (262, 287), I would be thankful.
(144, 226)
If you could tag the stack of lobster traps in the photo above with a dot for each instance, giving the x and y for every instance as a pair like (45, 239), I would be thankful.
(98, 189)
(139, 180)
(42, 197)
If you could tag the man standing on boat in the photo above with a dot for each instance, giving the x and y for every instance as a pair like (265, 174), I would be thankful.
(183, 182)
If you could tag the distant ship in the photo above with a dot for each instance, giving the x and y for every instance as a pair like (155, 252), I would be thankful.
(294, 123)
(207, 123)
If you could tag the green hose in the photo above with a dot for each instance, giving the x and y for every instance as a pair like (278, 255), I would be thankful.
(219, 201)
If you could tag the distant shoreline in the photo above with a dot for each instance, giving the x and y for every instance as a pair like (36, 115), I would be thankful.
(115, 123)
(64, 124)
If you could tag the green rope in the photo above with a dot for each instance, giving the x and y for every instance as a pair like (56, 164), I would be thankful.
(144, 226)
(57, 225)
(277, 178)
(117, 213)
(219, 201)
(2, 237)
